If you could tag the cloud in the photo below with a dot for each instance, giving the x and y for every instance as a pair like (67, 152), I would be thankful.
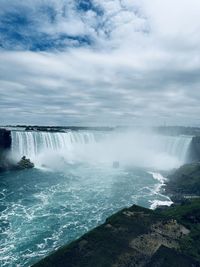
(99, 62)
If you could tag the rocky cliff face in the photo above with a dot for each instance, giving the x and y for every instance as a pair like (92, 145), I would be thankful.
(135, 237)
(5, 145)
(5, 139)
(184, 181)
(194, 152)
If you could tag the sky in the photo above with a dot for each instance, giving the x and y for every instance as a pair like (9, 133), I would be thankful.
(100, 62)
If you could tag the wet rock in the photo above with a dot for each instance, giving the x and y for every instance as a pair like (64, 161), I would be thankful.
(5, 145)
(25, 163)
(194, 151)
(5, 139)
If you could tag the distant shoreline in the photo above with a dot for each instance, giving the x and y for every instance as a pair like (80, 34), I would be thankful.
(166, 130)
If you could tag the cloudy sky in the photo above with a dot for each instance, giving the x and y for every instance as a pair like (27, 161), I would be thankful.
(100, 62)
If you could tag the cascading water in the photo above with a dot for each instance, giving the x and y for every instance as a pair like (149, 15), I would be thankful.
(33, 143)
(44, 208)
(176, 146)
(137, 149)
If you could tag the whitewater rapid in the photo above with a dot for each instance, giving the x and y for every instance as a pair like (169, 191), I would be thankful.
(157, 191)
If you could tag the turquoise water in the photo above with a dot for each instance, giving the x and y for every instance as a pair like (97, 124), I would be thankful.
(41, 210)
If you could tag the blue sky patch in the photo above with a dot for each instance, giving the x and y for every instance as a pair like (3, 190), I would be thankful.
(20, 30)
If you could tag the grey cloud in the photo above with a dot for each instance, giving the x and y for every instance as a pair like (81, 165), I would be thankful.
(132, 75)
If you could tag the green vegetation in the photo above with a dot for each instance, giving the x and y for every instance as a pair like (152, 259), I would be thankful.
(166, 257)
(103, 245)
(189, 216)
(24, 163)
(185, 180)
(141, 237)
(118, 242)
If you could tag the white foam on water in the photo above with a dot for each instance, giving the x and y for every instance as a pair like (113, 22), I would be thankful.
(55, 210)
(161, 179)
(157, 188)
(157, 203)
(56, 150)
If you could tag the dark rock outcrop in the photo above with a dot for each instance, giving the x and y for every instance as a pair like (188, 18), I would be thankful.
(185, 181)
(5, 145)
(7, 164)
(194, 150)
(24, 163)
(166, 257)
(135, 237)
(5, 139)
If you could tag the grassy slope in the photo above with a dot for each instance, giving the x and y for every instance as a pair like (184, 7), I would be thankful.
(103, 246)
(185, 180)
(166, 257)
(188, 215)
(106, 244)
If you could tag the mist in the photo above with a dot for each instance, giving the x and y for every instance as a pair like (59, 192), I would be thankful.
(140, 148)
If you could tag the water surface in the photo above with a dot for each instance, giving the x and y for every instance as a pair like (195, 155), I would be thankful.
(42, 210)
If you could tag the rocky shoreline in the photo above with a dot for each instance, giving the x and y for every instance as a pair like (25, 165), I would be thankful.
(184, 183)
(136, 236)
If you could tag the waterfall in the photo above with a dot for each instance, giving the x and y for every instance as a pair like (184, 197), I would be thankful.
(176, 146)
(33, 143)
(129, 148)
